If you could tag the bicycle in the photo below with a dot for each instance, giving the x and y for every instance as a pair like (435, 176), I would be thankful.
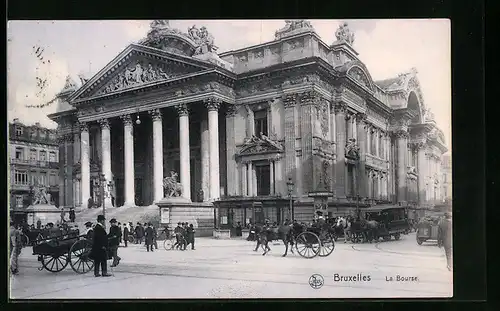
(173, 241)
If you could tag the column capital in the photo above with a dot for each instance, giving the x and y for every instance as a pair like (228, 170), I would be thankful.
(212, 103)
(231, 110)
(127, 120)
(69, 137)
(401, 133)
(104, 123)
(84, 127)
(340, 107)
(155, 114)
(289, 100)
(361, 117)
(308, 98)
(182, 110)
(419, 145)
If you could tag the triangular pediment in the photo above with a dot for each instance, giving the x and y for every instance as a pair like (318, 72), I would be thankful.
(138, 66)
(260, 145)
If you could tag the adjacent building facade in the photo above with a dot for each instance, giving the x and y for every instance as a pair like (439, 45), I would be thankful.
(236, 127)
(447, 181)
(33, 154)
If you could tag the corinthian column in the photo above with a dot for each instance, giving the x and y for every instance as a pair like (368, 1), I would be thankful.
(340, 170)
(363, 183)
(128, 136)
(106, 157)
(421, 172)
(157, 154)
(402, 136)
(184, 150)
(213, 105)
(205, 160)
(85, 163)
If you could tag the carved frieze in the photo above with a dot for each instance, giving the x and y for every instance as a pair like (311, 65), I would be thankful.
(350, 96)
(140, 73)
(258, 54)
(243, 58)
(296, 44)
(375, 115)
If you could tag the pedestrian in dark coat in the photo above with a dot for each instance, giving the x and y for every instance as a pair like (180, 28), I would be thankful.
(125, 235)
(190, 233)
(113, 241)
(121, 233)
(149, 237)
(139, 233)
(72, 215)
(38, 224)
(99, 248)
(445, 237)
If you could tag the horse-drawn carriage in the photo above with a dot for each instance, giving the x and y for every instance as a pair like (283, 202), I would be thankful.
(55, 253)
(309, 241)
(392, 221)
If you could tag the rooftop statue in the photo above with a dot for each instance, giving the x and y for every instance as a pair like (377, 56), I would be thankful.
(160, 24)
(343, 33)
(69, 85)
(203, 39)
(293, 25)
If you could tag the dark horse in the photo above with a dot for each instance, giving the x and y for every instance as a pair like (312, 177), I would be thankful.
(367, 229)
(286, 233)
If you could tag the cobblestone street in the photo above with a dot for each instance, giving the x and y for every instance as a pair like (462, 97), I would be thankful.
(231, 269)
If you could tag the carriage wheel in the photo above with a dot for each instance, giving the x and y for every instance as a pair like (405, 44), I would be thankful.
(79, 257)
(308, 245)
(387, 237)
(327, 245)
(420, 241)
(397, 236)
(131, 238)
(168, 244)
(55, 263)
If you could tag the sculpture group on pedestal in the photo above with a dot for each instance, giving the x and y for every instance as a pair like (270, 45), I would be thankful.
(171, 186)
(343, 33)
(40, 195)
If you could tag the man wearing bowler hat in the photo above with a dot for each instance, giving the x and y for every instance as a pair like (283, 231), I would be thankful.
(99, 244)
(114, 241)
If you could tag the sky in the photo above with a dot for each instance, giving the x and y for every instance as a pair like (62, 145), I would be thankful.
(387, 47)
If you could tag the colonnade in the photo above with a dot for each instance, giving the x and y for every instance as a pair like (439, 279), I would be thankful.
(210, 154)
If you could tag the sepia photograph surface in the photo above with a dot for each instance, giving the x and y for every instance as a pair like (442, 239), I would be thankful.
(185, 159)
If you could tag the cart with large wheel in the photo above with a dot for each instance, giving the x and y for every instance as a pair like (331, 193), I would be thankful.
(315, 241)
(55, 254)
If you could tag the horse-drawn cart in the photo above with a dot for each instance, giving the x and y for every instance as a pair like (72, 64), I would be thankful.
(56, 253)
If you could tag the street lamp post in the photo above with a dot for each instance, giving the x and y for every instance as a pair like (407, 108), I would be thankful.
(290, 185)
(104, 189)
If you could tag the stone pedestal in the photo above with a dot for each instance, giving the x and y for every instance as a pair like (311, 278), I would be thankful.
(200, 214)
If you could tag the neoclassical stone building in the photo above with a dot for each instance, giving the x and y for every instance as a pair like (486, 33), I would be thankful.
(237, 126)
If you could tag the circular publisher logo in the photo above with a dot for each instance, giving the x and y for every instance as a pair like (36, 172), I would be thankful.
(316, 281)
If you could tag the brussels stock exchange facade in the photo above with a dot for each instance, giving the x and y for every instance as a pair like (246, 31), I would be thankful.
(240, 127)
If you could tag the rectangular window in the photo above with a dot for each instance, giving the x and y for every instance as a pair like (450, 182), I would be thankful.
(260, 119)
(263, 173)
(43, 156)
(19, 153)
(33, 155)
(19, 131)
(52, 156)
(43, 178)
(21, 177)
(53, 179)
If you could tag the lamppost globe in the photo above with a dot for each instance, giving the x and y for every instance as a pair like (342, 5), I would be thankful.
(138, 121)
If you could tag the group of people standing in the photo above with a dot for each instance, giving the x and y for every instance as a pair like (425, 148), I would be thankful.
(184, 234)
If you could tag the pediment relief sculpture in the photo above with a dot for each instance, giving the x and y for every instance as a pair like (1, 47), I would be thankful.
(262, 144)
(135, 75)
(352, 149)
(358, 75)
